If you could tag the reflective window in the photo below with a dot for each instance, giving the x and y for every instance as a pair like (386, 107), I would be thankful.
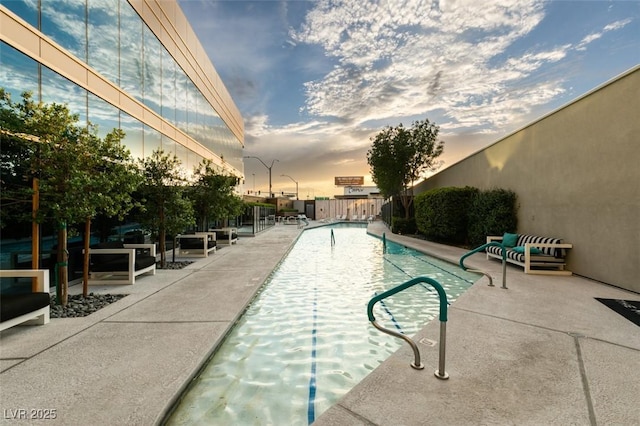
(181, 99)
(152, 85)
(192, 109)
(18, 73)
(168, 144)
(26, 9)
(103, 38)
(183, 155)
(65, 22)
(104, 115)
(59, 90)
(131, 63)
(133, 135)
(152, 141)
(168, 87)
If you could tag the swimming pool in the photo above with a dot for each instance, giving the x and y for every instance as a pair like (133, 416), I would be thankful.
(305, 340)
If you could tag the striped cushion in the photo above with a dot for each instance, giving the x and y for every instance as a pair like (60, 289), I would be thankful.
(523, 239)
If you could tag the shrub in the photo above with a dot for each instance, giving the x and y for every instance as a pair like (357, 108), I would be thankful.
(492, 212)
(400, 225)
(441, 213)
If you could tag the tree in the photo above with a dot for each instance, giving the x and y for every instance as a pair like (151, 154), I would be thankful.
(167, 210)
(399, 156)
(78, 174)
(212, 195)
(114, 178)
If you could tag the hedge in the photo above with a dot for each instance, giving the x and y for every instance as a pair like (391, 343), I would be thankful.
(441, 213)
(492, 212)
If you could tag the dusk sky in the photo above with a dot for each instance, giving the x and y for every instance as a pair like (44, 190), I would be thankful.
(315, 80)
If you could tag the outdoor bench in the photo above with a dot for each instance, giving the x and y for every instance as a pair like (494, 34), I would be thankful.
(537, 255)
(201, 242)
(114, 262)
(25, 306)
(226, 235)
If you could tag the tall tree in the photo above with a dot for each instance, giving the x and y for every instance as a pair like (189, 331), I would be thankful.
(167, 209)
(114, 178)
(399, 156)
(76, 169)
(213, 195)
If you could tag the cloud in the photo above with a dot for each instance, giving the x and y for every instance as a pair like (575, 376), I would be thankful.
(394, 60)
(596, 35)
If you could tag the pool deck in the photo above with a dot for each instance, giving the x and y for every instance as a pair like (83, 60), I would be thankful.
(544, 351)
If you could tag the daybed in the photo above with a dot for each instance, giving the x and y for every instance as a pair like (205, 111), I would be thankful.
(114, 262)
(201, 243)
(537, 255)
(25, 306)
(226, 235)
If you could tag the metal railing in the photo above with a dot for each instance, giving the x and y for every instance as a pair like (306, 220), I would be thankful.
(440, 373)
(504, 262)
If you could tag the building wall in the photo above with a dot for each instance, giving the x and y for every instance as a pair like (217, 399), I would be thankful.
(133, 64)
(576, 172)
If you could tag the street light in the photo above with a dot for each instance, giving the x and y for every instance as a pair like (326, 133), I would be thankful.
(295, 182)
(268, 168)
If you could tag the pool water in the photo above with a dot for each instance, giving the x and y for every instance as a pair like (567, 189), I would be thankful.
(305, 340)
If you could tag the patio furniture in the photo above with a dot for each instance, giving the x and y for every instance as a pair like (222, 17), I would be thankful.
(227, 236)
(198, 244)
(537, 255)
(32, 306)
(114, 262)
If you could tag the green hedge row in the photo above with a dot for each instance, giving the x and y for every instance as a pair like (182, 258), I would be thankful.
(465, 216)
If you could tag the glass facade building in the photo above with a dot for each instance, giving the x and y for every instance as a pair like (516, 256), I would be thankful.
(135, 65)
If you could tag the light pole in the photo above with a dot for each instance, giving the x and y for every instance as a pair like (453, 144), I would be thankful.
(268, 168)
(296, 184)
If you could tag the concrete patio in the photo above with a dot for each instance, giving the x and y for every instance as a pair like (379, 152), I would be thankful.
(542, 352)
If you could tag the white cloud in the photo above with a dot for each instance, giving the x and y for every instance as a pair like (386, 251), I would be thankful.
(395, 60)
(596, 35)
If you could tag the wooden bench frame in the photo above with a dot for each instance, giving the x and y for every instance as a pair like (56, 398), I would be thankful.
(39, 316)
(529, 264)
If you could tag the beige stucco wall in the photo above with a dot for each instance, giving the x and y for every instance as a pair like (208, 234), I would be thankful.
(576, 172)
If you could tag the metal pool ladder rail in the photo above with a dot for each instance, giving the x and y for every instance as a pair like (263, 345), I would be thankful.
(504, 263)
(440, 373)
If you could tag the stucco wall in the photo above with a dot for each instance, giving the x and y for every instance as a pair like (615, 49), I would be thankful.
(576, 172)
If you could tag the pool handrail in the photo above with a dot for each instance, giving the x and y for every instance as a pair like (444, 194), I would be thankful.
(504, 262)
(440, 373)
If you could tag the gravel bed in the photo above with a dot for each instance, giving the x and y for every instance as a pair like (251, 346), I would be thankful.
(78, 306)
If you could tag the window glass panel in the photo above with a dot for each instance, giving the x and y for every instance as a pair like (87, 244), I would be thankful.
(181, 99)
(168, 87)
(104, 115)
(168, 145)
(192, 105)
(183, 155)
(133, 134)
(18, 73)
(152, 71)
(26, 9)
(152, 141)
(59, 90)
(103, 37)
(130, 51)
(65, 22)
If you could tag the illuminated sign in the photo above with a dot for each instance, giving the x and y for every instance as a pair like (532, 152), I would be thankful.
(349, 180)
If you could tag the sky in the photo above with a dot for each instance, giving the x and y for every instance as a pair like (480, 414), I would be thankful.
(316, 80)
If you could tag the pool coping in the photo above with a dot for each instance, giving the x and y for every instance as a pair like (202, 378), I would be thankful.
(129, 362)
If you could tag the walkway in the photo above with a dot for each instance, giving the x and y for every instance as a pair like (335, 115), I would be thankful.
(542, 352)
